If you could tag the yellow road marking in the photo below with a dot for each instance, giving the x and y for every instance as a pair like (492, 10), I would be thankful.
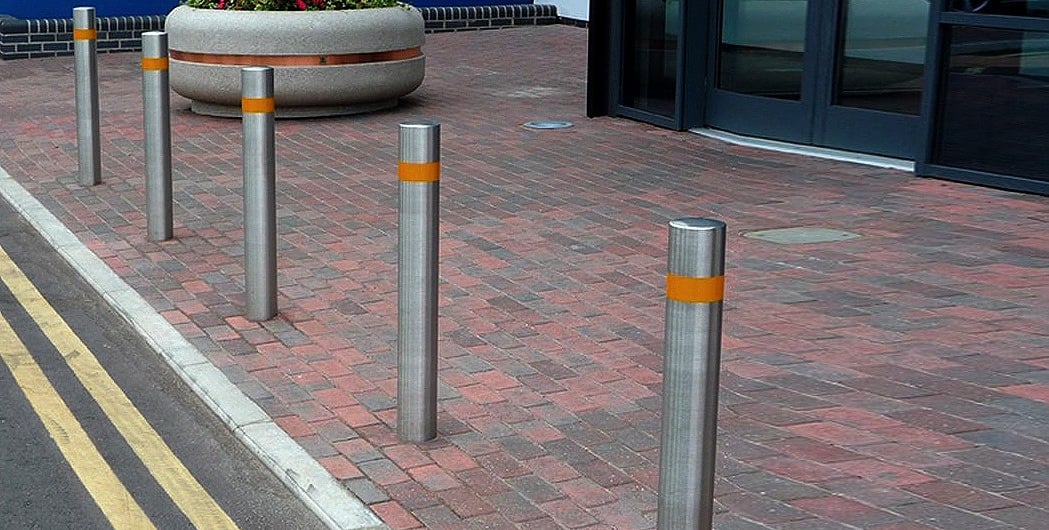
(166, 468)
(109, 493)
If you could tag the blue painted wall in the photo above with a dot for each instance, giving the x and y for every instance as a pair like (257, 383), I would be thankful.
(103, 8)
(112, 8)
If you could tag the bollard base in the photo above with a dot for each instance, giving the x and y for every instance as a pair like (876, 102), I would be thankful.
(233, 111)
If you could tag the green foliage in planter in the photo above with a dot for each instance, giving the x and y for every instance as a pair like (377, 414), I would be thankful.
(290, 5)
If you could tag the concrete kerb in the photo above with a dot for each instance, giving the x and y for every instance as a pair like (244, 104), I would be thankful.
(316, 487)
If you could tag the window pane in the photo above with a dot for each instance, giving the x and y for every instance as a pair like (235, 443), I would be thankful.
(650, 80)
(883, 55)
(762, 47)
(1016, 8)
(995, 101)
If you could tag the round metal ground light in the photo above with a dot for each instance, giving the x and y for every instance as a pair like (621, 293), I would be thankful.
(548, 124)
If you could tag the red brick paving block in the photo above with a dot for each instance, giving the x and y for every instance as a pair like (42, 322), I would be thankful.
(569, 514)
(502, 465)
(407, 456)
(799, 470)
(340, 467)
(924, 438)
(356, 416)
(881, 472)
(586, 492)
(353, 384)
(857, 418)
(835, 433)
(481, 394)
(433, 478)
(964, 497)
(907, 455)
(552, 469)
(465, 502)
(175, 317)
(846, 511)
(334, 398)
(452, 459)
(394, 515)
(294, 426)
(496, 380)
(1032, 391)
(482, 480)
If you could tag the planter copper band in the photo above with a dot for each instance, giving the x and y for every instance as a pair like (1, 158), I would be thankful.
(296, 60)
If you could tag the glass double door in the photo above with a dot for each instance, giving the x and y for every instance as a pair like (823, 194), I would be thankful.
(845, 74)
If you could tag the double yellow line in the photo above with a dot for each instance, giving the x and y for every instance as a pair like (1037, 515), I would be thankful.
(109, 493)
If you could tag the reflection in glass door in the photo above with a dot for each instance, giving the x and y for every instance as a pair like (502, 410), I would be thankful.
(883, 55)
(762, 69)
(650, 56)
(762, 48)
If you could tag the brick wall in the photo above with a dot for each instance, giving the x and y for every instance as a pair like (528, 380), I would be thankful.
(21, 39)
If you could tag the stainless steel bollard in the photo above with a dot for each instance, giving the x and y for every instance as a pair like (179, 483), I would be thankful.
(691, 361)
(419, 173)
(260, 201)
(156, 112)
(85, 67)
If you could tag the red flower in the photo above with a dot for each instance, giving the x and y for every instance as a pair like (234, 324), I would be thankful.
(222, 4)
(300, 4)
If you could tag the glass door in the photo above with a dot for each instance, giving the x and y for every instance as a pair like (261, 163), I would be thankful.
(877, 76)
(836, 73)
(763, 73)
(650, 48)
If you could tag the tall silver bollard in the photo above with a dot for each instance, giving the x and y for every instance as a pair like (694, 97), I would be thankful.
(260, 200)
(85, 67)
(419, 173)
(156, 113)
(691, 361)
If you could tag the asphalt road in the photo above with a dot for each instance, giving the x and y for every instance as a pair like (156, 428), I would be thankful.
(50, 476)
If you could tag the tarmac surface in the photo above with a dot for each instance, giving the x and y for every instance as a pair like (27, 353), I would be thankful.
(895, 381)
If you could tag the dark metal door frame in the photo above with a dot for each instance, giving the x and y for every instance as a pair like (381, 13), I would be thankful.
(941, 21)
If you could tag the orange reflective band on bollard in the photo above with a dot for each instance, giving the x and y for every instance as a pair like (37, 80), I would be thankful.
(419, 171)
(154, 63)
(85, 34)
(695, 290)
(258, 105)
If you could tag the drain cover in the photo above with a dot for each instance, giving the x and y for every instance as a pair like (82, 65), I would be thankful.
(791, 236)
(548, 124)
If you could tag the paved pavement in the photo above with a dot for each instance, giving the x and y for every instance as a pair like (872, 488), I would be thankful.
(896, 381)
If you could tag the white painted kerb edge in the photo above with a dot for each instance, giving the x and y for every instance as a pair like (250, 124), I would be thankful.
(333, 504)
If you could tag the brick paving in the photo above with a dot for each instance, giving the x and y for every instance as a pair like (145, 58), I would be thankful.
(899, 381)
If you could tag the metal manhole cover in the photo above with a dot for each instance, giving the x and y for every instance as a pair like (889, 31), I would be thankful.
(548, 124)
(792, 236)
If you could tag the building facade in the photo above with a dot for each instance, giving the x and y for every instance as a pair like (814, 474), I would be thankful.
(961, 87)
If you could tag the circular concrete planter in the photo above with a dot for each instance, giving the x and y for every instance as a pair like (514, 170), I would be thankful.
(325, 62)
